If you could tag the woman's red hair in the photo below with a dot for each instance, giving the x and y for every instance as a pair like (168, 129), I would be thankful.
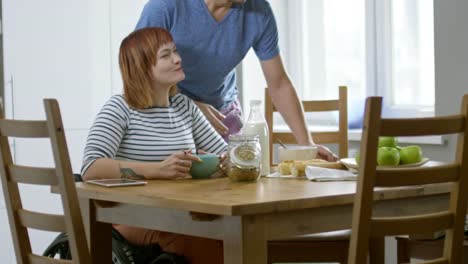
(138, 53)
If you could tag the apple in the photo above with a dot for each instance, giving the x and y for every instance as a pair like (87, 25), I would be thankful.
(410, 154)
(388, 142)
(357, 158)
(387, 156)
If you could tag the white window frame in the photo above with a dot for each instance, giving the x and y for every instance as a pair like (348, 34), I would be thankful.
(379, 59)
(378, 34)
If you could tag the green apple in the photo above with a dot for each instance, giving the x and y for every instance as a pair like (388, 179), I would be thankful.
(410, 154)
(388, 142)
(357, 158)
(387, 156)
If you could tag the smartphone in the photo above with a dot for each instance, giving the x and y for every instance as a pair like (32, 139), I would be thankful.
(116, 182)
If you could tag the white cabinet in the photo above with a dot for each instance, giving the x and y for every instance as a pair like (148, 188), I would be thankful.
(65, 50)
(50, 51)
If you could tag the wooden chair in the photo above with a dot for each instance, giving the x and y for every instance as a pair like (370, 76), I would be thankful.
(323, 247)
(11, 174)
(408, 248)
(452, 220)
(339, 137)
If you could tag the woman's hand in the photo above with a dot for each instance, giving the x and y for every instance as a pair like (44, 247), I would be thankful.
(213, 116)
(325, 154)
(176, 166)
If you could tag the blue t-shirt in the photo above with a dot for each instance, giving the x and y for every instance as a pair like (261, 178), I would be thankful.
(211, 50)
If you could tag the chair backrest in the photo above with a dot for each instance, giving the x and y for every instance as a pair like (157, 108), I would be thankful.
(452, 220)
(339, 137)
(61, 176)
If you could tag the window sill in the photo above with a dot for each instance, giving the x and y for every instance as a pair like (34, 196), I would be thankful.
(355, 135)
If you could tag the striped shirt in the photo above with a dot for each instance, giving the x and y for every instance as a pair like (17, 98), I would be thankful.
(151, 134)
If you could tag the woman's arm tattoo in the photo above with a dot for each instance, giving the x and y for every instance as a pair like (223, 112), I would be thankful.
(128, 173)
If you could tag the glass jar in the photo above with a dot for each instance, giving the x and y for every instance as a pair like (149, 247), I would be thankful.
(245, 158)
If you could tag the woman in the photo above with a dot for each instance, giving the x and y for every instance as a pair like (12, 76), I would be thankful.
(151, 132)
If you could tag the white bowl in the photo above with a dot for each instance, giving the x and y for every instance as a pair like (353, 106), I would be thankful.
(297, 153)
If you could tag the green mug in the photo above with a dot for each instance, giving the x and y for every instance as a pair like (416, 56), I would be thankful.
(206, 167)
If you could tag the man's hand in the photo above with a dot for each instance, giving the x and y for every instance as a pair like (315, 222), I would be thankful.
(214, 117)
(325, 154)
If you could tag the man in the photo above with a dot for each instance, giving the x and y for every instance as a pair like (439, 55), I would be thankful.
(213, 36)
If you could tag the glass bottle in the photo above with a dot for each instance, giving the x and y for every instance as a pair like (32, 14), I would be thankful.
(257, 126)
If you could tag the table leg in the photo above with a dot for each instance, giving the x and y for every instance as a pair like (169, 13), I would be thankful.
(377, 250)
(99, 234)
(245, 240)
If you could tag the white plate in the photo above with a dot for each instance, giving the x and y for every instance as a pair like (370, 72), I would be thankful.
(350, 163)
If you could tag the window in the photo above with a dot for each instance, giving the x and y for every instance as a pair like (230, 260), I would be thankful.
(412, 56)
(374, 47)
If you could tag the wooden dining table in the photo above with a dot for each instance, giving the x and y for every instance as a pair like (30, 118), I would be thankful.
(243, 215)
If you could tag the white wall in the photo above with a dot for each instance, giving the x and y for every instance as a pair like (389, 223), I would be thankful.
(451, 58)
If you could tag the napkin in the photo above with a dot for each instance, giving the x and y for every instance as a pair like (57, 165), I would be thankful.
(324, 174)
